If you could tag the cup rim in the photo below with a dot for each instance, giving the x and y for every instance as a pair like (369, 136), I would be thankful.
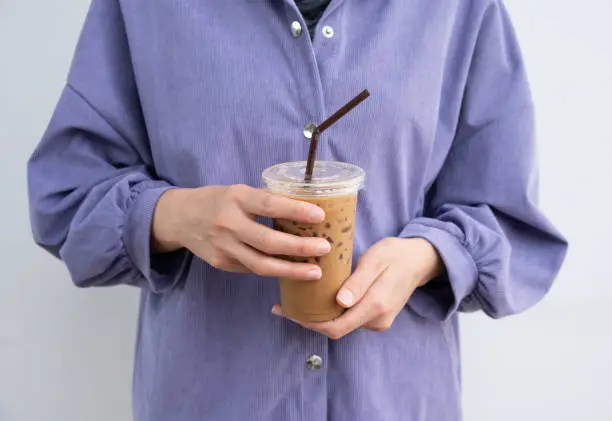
(316, 187)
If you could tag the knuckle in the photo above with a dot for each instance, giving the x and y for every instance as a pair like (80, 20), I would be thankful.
(299, 247)
(380, 307)
(218, 241)
(380, 266)
(215, 241)
(267, 203)
(362, 260)
(334, 334)
(237, 190)
(382, 326)
(217, 261)
(266, 241)
(222, 221)
(387, 242)
(295, 272)
(261, 267)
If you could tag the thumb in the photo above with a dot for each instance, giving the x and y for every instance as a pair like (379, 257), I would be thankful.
(356, 286)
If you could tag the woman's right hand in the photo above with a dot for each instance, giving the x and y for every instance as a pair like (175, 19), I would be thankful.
(217, 223)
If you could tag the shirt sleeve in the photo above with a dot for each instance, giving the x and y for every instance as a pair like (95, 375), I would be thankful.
(92, 180)
(501, 253)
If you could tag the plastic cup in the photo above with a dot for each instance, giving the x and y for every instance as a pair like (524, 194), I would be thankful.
(334, 188)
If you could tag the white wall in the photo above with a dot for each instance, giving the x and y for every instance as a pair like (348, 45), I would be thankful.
(555, 362)
(66, 354)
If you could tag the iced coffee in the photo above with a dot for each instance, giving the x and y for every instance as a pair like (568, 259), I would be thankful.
(334, 187)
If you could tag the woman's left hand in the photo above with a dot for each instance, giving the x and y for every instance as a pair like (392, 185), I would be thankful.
(384, 279)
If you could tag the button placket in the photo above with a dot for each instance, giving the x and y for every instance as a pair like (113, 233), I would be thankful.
(306, 74)
(328, 47)
(314, 369)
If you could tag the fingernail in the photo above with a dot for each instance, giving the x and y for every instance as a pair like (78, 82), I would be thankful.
(323, 248)
(314, 274)
(316, 214)
(346, 298)
(276, 311)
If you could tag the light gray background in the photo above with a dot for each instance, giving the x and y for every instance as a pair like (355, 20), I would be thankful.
(66, 354)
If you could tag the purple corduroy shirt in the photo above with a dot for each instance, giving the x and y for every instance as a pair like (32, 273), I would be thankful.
(189, 93)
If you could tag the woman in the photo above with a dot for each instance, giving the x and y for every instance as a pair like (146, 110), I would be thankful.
(148, 175)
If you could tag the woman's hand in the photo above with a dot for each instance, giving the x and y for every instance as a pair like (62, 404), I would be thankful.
(218, 225)
(384, 279)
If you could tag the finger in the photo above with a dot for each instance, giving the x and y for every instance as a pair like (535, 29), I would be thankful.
(376, 304)
(235, 266)
(350, 321)
(274, 242)
(265, 265)
(380, 324)
(374, 312)
(353, 290)
(263, 203)
(278, 311)
(385, 304)
(344, 325)
(219, 259)
(227, 264)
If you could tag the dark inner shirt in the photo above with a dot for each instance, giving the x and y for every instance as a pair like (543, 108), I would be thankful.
(312, 11)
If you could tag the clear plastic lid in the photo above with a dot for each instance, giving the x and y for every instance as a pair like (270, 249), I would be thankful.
(328, 179)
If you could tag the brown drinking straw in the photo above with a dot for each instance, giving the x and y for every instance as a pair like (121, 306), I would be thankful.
(312, 152)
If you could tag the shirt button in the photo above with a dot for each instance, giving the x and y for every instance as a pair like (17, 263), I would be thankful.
(328, 31)
(296, 29)
(314, 362)
(309, 130)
